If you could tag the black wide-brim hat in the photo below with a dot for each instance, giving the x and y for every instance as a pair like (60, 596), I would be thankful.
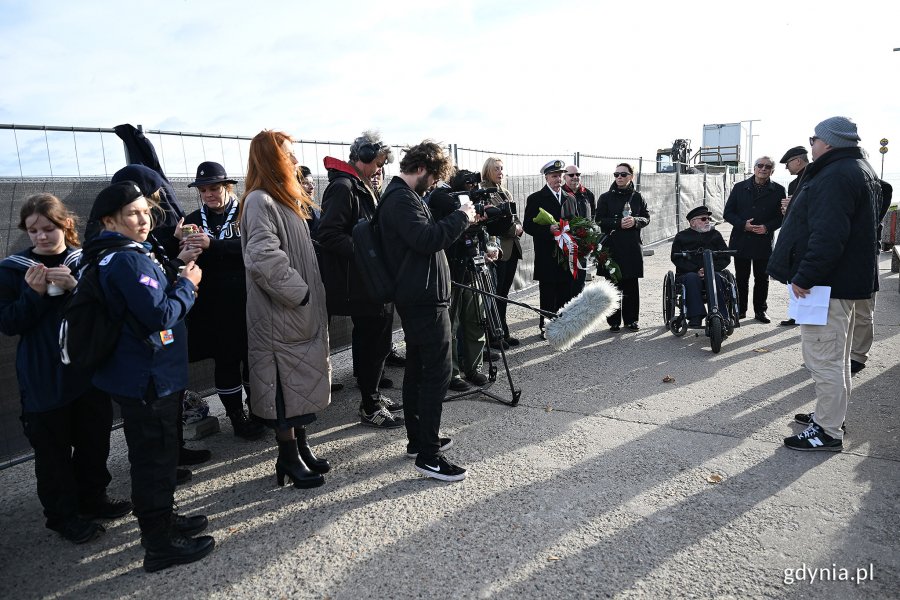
(211, 173)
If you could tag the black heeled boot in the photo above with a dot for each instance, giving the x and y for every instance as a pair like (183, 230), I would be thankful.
(289, 463)
(319, 465)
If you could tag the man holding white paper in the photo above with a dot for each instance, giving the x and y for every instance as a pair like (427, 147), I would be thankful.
(829, 239)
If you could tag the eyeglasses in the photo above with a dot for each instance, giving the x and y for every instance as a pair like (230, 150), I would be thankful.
(623, 174)
(573, 174)
(765, 166)
(812, 140)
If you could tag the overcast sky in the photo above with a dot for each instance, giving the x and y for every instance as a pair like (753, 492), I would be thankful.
(620, 79)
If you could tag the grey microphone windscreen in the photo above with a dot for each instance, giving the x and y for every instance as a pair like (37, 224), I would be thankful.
(582, 314)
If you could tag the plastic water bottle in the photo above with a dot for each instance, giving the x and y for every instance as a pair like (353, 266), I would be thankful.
(626, 210)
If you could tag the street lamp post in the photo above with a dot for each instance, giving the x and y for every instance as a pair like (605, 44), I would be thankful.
(750, 141)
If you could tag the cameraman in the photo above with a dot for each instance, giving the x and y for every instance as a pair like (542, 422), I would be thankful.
(466, 314)
(413, 243)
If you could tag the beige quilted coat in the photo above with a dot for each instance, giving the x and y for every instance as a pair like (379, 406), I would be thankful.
(286, 340)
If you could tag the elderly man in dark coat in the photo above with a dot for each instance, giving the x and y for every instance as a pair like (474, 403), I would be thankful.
(555, 281)
(701, 235)
(754, 209)
(829, 239)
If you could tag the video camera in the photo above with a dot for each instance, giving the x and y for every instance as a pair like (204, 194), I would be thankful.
(480, 198)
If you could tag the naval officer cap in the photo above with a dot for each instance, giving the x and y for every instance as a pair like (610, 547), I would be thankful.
(554, 166)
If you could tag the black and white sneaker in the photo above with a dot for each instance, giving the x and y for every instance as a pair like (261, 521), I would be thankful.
(440, 468)
(445, 443)
(390, 405)
(814, 439)
(807, 418)
(381, 419)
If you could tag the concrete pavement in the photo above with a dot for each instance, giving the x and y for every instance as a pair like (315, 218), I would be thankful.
(604, 482)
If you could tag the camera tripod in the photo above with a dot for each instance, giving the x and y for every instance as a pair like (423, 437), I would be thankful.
(490, 322)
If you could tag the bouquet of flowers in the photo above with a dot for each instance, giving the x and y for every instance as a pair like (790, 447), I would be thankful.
(579, 244)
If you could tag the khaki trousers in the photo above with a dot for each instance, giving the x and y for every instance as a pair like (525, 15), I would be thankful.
(826, 352)
(863, 333)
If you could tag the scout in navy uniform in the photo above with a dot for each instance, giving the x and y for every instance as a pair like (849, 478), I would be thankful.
(147, 373)
(217, 325)
(66, 419)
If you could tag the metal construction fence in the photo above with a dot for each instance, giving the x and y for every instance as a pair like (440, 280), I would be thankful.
(669, 196)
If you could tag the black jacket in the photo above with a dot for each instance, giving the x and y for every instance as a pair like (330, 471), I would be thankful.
(546, 266)
(792, 186)
(217, 322)
(829, 235)
(413, 244)
(345, 201)
(744, 203)
(582, 194)
(624, 244)
(688, 239)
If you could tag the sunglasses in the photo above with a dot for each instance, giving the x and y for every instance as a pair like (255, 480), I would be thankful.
(704, 219)
(812, 140)
(765, 166)
(573, 174)
(623, 174)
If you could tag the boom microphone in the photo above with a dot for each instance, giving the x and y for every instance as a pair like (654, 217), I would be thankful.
(582, 314)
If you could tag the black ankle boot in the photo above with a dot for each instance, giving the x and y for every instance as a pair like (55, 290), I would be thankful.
(244, 427)
(166, 545)
(289, 463)
(319, 465)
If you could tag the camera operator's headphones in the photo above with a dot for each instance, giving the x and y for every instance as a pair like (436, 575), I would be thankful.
(368, 151)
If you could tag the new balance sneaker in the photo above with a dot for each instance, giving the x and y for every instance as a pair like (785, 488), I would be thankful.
(440, 468)
(390, 404)
(807, 418)
(381, 418)
(813, 439)
(413, 452)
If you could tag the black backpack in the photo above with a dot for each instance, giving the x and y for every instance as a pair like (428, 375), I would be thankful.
(89, 331)
(369, 257)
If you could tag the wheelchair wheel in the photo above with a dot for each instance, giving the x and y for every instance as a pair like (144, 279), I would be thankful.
(679, 326)
(716, 332)
(668, 299)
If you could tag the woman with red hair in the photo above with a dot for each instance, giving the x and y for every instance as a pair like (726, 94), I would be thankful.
(287, 321)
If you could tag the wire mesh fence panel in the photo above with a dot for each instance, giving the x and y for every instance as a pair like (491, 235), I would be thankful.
(76, 163)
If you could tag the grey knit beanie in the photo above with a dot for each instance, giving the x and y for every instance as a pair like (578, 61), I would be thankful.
(838, 132)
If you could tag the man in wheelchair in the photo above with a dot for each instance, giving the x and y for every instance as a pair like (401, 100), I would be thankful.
(689, 269)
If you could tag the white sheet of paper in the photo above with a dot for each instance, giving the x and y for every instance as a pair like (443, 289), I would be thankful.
(812, 310)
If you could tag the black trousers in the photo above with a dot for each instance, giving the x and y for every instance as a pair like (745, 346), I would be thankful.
(631, 302)
(506, 274)
(71, 446)
(555, 293)
(371, 342)
(426, 378)
(151, 432)
(760, 282)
